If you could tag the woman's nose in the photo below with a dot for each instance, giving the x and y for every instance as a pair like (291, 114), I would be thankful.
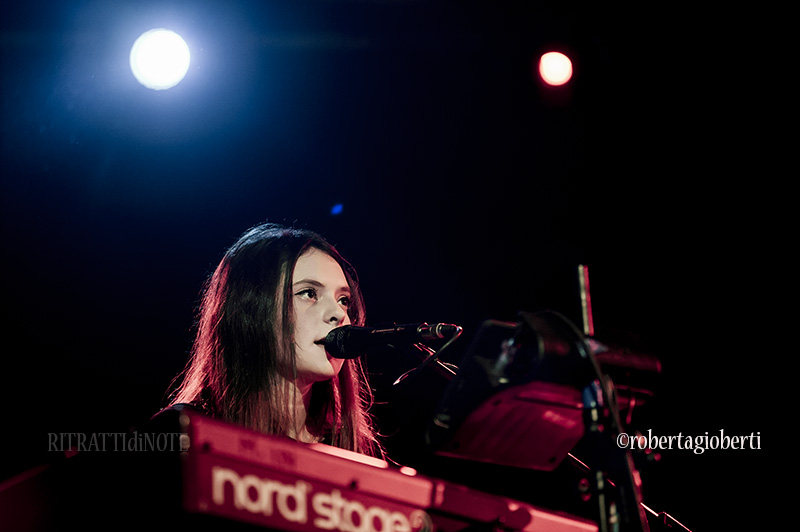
(336, 313)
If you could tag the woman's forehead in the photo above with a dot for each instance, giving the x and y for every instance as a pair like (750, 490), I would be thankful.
(320, 267)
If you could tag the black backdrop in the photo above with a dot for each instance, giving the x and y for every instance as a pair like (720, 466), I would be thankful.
(469, 191)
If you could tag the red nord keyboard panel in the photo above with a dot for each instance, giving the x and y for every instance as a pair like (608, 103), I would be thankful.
(233, 473)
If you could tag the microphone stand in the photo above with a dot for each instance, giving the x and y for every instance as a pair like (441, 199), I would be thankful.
(431, 357)
(619, 501)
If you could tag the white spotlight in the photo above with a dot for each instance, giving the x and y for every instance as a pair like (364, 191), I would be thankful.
(159, 59)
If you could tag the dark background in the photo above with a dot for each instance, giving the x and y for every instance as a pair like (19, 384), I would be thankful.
(469, 190)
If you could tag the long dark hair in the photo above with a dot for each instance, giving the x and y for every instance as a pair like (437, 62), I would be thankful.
(244, 343)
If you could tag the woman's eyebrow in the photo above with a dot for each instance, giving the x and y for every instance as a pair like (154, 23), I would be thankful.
(314, 282)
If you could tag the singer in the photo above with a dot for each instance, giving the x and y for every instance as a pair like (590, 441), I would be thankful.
(259, 358)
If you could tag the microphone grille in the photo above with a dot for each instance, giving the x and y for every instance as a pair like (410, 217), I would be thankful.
(335, 342)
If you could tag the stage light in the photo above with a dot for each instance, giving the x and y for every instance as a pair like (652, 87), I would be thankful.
(159, 59)
(555, 68)
(337, 209)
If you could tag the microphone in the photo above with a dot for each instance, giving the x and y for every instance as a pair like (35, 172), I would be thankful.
(351, 341)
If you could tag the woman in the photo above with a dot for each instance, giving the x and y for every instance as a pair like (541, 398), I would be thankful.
(258, 358)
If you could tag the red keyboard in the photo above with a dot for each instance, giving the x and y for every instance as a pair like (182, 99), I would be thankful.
(233, 473)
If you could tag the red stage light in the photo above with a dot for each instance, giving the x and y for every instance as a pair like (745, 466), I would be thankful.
(555, 68)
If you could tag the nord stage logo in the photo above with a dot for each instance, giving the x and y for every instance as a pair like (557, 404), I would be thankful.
(309, 508)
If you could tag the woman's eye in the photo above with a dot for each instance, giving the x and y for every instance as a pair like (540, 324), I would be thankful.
(309, 293)
(344, 301)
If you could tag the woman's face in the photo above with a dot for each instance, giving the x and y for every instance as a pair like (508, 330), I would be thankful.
(321, 296)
